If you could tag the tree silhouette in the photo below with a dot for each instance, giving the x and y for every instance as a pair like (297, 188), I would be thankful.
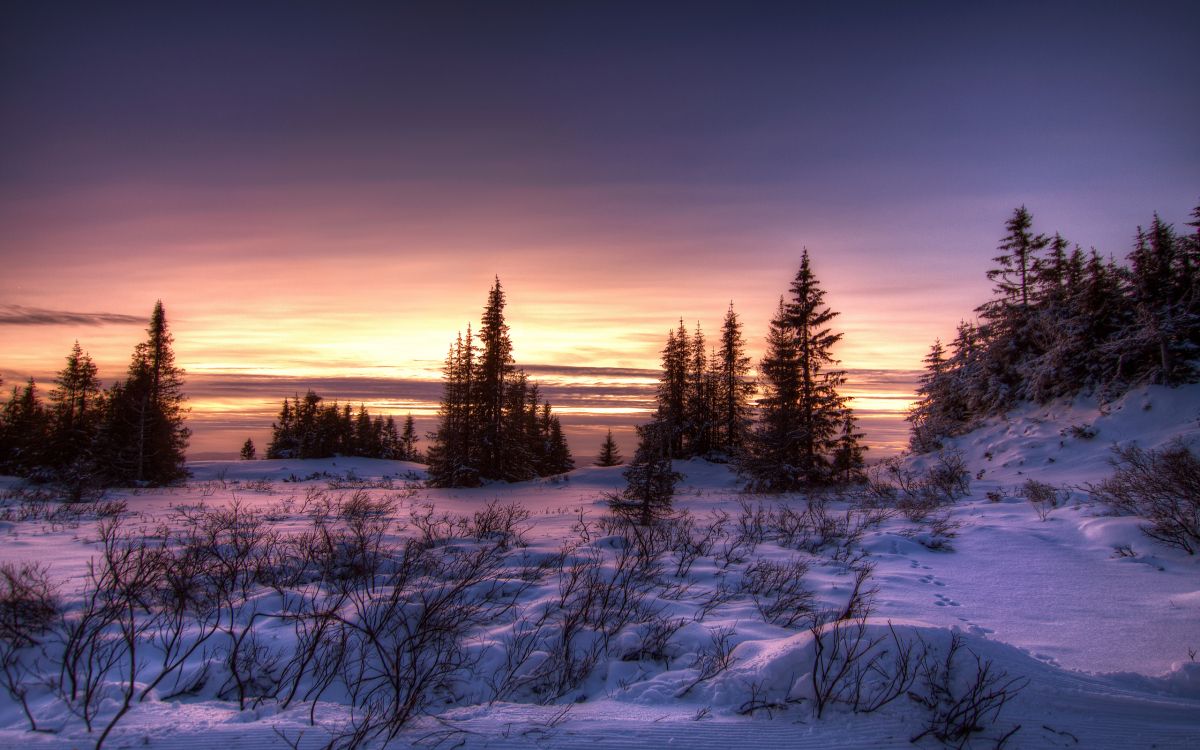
(609, 454)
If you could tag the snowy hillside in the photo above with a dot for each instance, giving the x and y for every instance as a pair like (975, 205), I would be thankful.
(579, 632)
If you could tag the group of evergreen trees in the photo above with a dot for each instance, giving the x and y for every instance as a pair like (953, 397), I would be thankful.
(86, 436)
(704, 397)
(493, 423)
(1062, 321)
(805, 435)
(311, 428)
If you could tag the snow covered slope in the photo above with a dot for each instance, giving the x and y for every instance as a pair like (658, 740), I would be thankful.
(1102, 641)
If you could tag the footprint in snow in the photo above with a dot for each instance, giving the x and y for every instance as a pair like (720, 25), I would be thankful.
(943, 601)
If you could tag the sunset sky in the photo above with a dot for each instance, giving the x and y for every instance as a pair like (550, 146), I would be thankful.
(321, 193)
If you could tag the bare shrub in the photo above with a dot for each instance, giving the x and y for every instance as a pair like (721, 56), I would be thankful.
(405, 642)
(1043, 497)
(779, 591)
(656, 636)
(28, 610)
(714, 660)
(691, 540)
(752, 523)
(436, 528)
(1162, 487)
(503, 525)
(962, 703)
(918, 494)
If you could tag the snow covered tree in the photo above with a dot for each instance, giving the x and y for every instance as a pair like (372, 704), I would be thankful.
(1158, 345)
(609, 454)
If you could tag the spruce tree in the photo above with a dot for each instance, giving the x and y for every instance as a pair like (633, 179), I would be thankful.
(76, 411)
(558, 454)
(650, 479)
(408, 440)
(802, 411)
(491, 425)
(145, 426)
(495, 369)
(734, 389)
(248, 452)
(76, 414)
(452, 456)
(1156, 342)
(848, 465)
(673, 390)
(25, 426)
(609, 454)
(699, 406)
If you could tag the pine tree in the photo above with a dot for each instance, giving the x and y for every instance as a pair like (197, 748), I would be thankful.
(848, 463)
(1157, 341)
(698, 406)
(734, 389)
(145, 426)
(650, 479)
(25, 425)
(673, 390)
(76, 411)
(558, 454)
(408, 440)
(1017, 259)
(248, 452)
(452, 456)
(609, 454)
(802, 411)
(495, 370)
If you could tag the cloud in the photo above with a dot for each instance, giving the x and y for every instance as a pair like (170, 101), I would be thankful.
(19, 315)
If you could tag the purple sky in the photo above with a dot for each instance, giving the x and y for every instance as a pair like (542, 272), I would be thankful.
(326, 189)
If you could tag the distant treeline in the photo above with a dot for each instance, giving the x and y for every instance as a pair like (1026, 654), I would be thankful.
(1063, 321)
(85, 437)
(309, 427)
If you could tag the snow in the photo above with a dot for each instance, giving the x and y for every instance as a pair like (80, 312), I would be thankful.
(1101, 638)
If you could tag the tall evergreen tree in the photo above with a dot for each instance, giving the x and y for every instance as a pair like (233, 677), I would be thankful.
(145, 426)
(23, 429)
(699, 401)
(452, 456)
(408, 440)
(76, 413)
(495, 370)
(491, 424)
(673, 390)
(802, 411)
(734, 389)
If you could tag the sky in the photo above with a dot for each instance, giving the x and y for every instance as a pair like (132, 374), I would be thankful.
(322, 193)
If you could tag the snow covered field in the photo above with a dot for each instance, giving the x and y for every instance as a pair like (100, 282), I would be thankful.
(1098, 624)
